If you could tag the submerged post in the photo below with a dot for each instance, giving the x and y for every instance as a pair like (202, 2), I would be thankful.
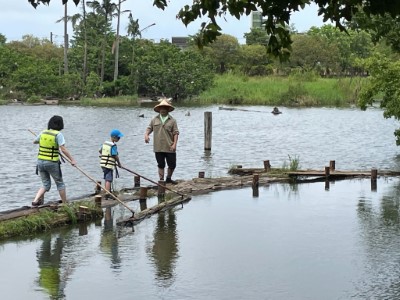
(143, 198)
(97, 188)
(97, 200)
(267, 166)
(137, 181)
(374, 176)
(332, 165)
(255, 185)
(327, 171)
(207, 130)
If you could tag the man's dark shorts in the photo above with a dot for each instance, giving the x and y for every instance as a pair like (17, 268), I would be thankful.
(108, 174)
(161, 157)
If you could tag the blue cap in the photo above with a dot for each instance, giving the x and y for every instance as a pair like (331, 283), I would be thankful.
(116, 133)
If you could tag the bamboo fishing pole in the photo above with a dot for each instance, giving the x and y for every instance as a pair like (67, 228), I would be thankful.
(97, 184)
(163, 186)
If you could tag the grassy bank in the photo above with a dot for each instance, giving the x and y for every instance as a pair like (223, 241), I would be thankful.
(299, 90)
(46, 219)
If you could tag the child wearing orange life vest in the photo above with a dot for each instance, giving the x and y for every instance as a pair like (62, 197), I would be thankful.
(109, 157)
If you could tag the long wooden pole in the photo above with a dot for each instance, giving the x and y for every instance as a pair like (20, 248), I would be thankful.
(133, 172)
(95, 181)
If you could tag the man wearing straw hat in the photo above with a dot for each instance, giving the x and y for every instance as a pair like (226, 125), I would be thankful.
(166, 135)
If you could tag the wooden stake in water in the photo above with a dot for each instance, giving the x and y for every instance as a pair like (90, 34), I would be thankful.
(207, 130)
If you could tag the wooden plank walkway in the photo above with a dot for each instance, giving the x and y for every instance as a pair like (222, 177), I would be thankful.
(318, 173)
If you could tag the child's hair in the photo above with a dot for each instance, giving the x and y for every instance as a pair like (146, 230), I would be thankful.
(56, 123)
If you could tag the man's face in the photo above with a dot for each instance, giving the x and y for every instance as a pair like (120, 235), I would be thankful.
(163, 111)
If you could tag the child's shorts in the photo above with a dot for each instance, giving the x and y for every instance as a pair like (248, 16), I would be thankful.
(108, 174)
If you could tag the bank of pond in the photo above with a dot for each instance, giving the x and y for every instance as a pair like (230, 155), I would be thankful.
(298, 90)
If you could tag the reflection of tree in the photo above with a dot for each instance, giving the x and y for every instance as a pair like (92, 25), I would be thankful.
(49, 258)
(109, 240)
(379, 230)
(165, 249)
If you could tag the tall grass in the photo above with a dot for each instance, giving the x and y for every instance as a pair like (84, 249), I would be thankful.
(282, 91)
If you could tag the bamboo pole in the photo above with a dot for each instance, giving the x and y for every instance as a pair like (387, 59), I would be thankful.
(95, 181)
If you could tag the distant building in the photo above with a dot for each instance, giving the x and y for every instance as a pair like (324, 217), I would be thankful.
(181, 42)
(256, 19)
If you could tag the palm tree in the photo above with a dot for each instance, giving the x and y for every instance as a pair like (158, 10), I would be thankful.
(133, 31)
(75, 19)
(106, 9)
(117, 40)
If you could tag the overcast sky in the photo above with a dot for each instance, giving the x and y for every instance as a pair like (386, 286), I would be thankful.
(18, 18)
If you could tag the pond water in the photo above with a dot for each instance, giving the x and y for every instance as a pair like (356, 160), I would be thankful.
(356, 140)
(292, 242)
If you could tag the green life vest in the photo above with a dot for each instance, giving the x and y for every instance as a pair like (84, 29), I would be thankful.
(48, 147)
(106, 160)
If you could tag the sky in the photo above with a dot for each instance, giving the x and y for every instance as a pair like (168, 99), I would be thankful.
(18, 18)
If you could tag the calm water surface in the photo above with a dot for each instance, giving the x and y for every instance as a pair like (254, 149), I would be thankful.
(353, 138)
(291, 242)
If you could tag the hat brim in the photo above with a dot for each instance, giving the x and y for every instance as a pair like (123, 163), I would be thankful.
(158, 108)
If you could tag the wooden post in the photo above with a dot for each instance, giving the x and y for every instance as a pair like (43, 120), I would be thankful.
(143, 193)
(161, 188)
(374, 174)
(327, 171)
(137, 181)
(97, 200)
(255, 185)
(142, 198)
(83, 210)
(332, 165)
(267, 166)
(207, 130)
(201, 174)
(97, 188)
(143, 204)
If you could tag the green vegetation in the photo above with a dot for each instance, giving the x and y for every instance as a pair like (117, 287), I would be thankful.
(282, 91)
(294, 163)
(47, 219)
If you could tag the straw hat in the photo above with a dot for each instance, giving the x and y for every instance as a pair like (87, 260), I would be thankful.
(164, 103)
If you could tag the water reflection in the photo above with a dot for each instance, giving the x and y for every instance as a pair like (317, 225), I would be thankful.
(380, 233)
(49, 258)
(109, 240)
(164, 251)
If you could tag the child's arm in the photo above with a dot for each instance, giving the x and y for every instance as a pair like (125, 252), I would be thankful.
(117, 160)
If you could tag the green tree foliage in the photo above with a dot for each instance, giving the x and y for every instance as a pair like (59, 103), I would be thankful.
(224, 52)
(3, 39)
(165, 69)
(314, 53)
(277, 15)
(381, 27)
(256, 36)
(254, 61)
(385, 78)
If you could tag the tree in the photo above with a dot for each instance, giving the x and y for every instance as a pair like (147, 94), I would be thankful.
(312, 52)
(256, 36)
(3, 39)
(385, 76)
(276, 13)
(224, 52)
(106, 9)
